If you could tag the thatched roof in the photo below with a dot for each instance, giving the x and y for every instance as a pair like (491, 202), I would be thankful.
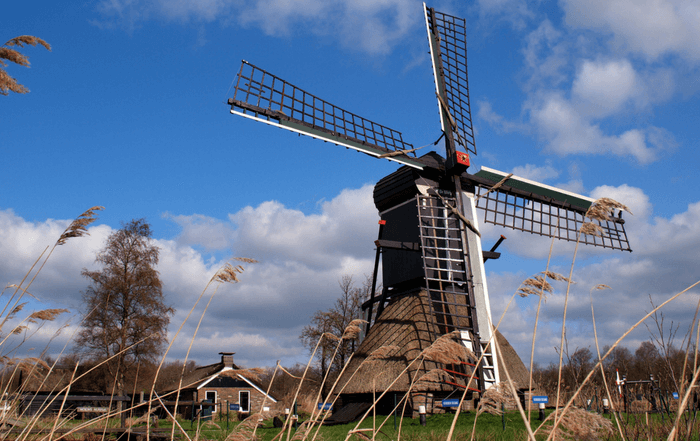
(35, 376)
(218, 375)
(404, 325)
(510, 359)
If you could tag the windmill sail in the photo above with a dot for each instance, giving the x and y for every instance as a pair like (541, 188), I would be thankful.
(447, 36)
(522, 204)
(264, 97)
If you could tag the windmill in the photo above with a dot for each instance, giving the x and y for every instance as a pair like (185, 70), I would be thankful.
(429, 239)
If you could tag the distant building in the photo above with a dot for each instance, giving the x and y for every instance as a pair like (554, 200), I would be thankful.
(223, 383)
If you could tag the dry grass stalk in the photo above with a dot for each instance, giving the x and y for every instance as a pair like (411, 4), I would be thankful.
(498, 185)
(330, 336)
(556, 276)
(447, 350)
(352, 331)
(359, 434)
(538, 285)
(569, 404)
(382, 353)
(130, 422)
(303, 431)
(23, 40)
(579, 424)
(19, 329)
(602, 371)
(497, 395)
(511, 385)
(454, 211)
(591, 229)
(229, 273)
(7, 83)
(539, 282)
(78, 228)
(47, 315)
(603, 209)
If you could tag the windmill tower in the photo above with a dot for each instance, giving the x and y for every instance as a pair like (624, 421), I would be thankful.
(429, 241)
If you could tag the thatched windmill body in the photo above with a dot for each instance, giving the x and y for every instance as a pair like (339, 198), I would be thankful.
(429, 242)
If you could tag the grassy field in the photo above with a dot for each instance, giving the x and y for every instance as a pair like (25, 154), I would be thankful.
(509, 426)
(489, 427)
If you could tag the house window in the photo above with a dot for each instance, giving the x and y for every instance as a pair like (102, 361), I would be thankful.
(210, 395)
(244, 400)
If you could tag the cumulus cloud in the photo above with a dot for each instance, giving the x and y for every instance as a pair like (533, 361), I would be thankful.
(514, 11)
(302, 257)
(487, 114)
(371, 26)
(535, 173)
(211, 234)
(569, 132)
(581, 105)
(605, 87)
(662, 264)
(652, 28)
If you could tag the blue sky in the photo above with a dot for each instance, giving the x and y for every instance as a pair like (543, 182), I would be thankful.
(127, 111)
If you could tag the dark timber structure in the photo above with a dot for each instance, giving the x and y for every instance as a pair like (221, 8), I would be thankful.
(429, 241)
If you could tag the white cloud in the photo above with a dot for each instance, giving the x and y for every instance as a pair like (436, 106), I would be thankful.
(547, 55)
(535, 173)
(605, 87)
(514, 11)
(371, 26)
(303, 255)
(569, 132)
(301, 259)
(653, 28)
(664, 261)
(211, 234)
(487, 114)
(573, 98)
(632, 197)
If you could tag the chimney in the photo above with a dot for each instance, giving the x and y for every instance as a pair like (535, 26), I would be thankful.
(227, 359)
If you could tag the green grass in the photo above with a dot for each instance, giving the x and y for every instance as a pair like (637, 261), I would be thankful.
(489, 427)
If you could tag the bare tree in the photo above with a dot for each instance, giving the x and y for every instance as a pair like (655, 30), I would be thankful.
(125, 312)
(347, 308)
(7, 83)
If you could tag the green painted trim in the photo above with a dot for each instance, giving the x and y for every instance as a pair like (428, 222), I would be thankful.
(319, 134)
(541, 190)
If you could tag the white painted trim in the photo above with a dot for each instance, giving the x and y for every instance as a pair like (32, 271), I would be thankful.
(480, 287)
(216, 396)
(238, 375)
(332, 140)
(256, 387)
(528, 181)
(432, 61)
(214, 376)
(240, 409)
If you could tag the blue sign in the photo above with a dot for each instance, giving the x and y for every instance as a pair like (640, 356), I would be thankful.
(451, 402)
(326, 406)
(234, 407)
(675, 395)
(540, 399)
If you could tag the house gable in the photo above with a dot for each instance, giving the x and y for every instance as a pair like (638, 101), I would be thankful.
(218, 381)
